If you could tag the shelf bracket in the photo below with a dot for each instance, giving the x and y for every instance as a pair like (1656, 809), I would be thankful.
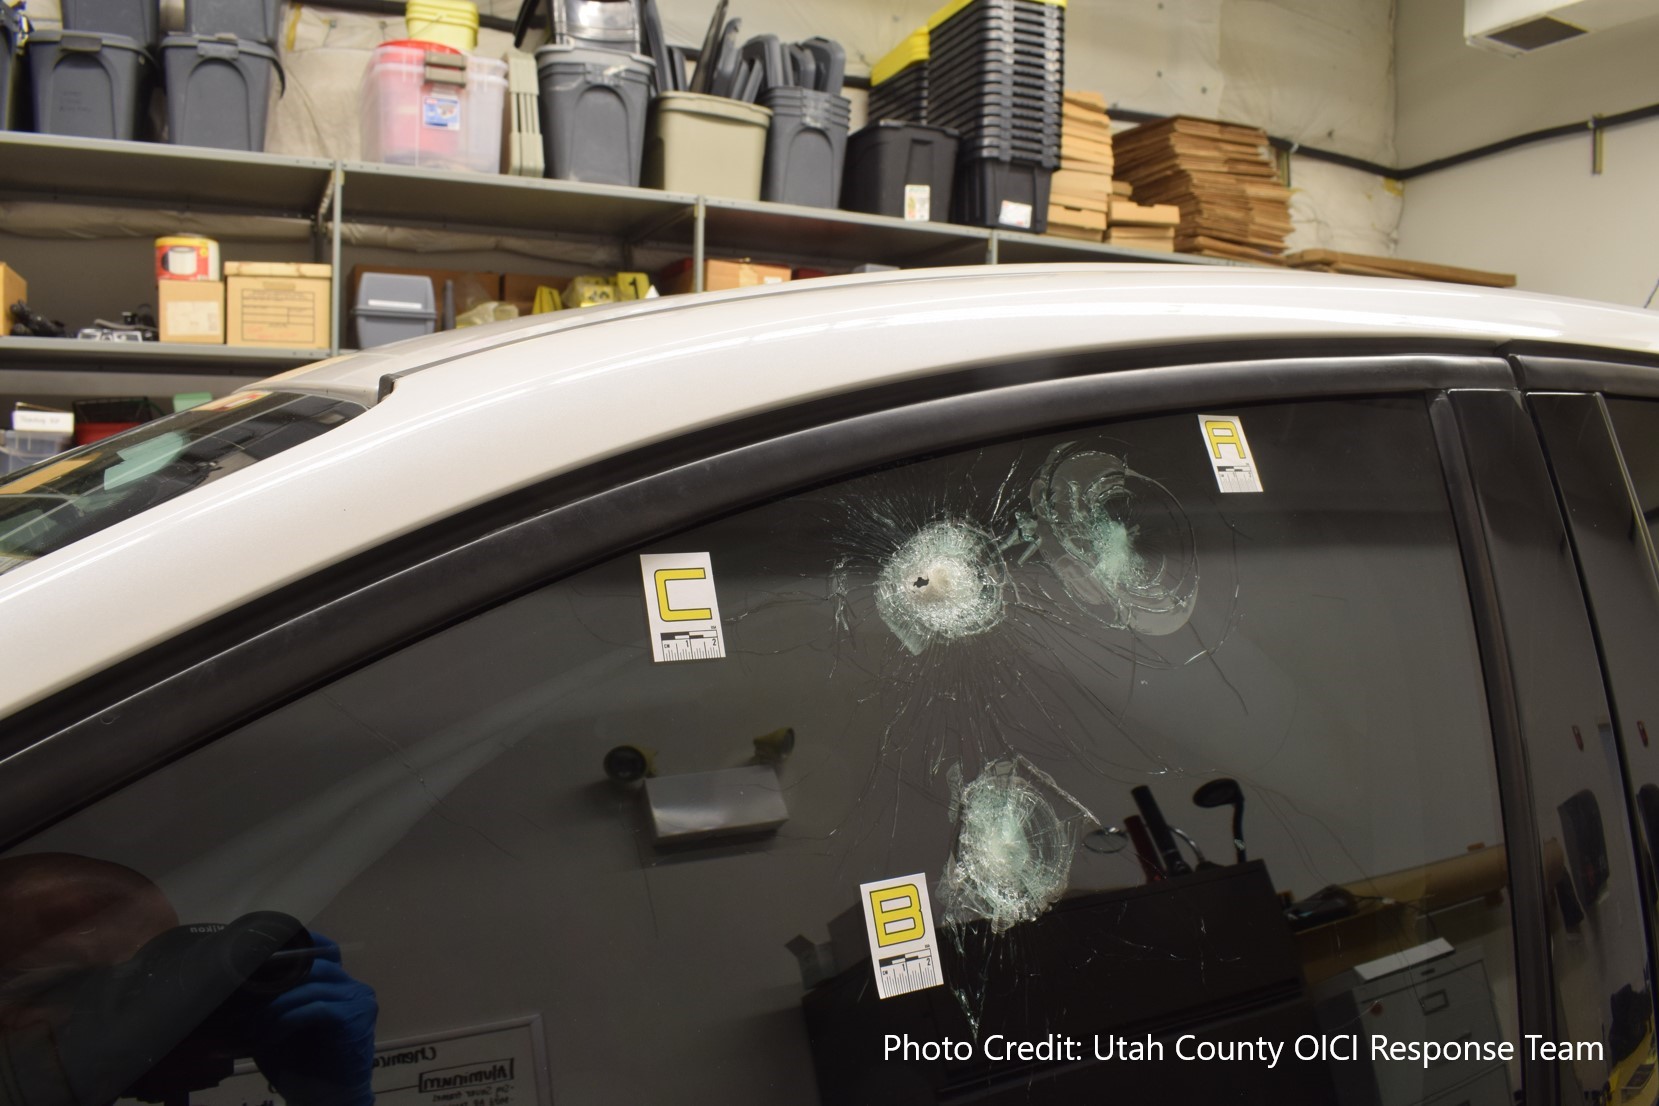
(699, 231)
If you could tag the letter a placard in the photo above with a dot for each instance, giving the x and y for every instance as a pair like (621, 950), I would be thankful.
(1229, 453)
(681, 607)
(898, 918)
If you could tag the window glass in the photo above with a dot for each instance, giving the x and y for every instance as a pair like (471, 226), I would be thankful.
(983, 683)
(76, 494)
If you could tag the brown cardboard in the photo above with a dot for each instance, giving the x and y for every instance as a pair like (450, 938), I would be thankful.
(519, 289)
(12, 288)
(191, 311)
(719, 275)
(277, 305)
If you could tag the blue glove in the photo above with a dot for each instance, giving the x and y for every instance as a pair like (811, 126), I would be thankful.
(316, 1040)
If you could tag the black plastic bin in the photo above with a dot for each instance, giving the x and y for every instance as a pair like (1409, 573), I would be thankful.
(87, 84)
(806, 146)
(139, 20)
(593, 108)
(11, 64)
(900, 169)
(250, 20)
(1001, 194)
(218, 91)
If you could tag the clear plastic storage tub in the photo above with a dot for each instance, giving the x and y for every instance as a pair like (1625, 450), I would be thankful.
(433, 107)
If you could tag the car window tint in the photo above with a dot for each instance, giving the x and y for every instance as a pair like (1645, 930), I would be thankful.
(981, 682)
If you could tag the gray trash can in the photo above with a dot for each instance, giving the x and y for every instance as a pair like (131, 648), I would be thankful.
(806, 146)
(593, 108)
(218, 90)
(393, 306)
(88, 84)
(139, 20)
(250, 20)
(11, 64)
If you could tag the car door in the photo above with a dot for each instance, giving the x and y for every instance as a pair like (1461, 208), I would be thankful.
(1598, 421)
(1173, 730)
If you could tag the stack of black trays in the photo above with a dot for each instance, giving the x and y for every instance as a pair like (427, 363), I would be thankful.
(996, 75)
(902, 97)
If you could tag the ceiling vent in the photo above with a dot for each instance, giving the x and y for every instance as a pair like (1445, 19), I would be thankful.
(1522, 26)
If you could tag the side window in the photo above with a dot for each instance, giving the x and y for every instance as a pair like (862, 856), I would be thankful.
(1035, 772)
(1636, 422)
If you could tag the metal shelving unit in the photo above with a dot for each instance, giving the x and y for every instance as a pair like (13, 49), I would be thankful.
(329, 194)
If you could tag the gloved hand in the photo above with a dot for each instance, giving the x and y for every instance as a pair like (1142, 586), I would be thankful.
(316, 1040)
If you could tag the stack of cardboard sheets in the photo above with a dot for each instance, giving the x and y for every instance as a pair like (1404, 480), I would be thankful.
(1221, 176)
(1079, 192)
(1359, 264)
(1142, 226)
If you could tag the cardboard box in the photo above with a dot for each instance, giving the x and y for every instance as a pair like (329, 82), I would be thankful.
(279, 305)
(719, 275)
(191, 311)
(12, 288)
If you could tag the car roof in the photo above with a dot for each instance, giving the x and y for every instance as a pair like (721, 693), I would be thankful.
(1148, 304)
(461, 418)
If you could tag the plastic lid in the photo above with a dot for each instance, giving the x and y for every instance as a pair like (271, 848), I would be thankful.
(418, 44)
(912, 51)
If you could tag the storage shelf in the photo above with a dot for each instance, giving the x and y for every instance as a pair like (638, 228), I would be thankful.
(476, 201)
(784, 230)
(150, 174)
(331, 194)
(1018, 248)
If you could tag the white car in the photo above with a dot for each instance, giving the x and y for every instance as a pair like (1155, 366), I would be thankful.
(1030, 684)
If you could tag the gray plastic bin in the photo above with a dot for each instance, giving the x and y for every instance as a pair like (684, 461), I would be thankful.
(593, 109)
(218, 91)
(87, 84)
(139, 20)
(250, 20)
(806, 146)
(393, 306)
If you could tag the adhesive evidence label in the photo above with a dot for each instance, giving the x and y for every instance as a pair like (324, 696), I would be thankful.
(682, 608)
(1229, 453)
(918, 203)
(898, 918)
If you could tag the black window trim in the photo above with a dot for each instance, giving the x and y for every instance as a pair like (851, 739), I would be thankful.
(91, 738)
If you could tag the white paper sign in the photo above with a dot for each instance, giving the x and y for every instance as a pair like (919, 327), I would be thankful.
(494, 1065)
(898, 919)
(682, 608)
(1229, 453)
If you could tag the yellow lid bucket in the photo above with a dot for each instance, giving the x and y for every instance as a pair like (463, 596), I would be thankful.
(447, 22)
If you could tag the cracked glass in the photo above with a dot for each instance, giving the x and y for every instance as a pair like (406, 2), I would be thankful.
(1188, 778)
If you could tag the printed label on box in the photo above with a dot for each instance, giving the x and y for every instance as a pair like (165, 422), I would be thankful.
(194, 318)
(1015, 214)
(442, 110)
(918, 203)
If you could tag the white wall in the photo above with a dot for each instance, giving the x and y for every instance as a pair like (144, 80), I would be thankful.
(1537, 211)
